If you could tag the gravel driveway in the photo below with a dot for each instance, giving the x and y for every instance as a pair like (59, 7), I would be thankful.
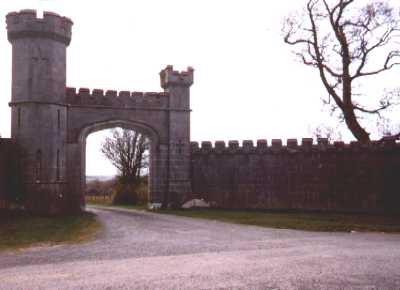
(141, 250)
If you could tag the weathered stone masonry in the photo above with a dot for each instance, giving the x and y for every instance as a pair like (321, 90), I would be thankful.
(326, 176)
(8, 169)
(50, 122)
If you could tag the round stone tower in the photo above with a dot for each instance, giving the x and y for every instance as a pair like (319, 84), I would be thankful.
(39, 111)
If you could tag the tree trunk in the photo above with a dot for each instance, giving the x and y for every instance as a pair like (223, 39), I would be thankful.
(352, 123)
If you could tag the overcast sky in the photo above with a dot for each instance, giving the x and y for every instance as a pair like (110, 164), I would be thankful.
(247, 84)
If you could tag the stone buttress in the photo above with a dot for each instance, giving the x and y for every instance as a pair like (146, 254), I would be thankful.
(177, 85)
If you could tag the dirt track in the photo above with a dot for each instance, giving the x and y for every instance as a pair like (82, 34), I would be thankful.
(141, 250)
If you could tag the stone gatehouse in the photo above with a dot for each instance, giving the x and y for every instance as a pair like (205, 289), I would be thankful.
(50, 123)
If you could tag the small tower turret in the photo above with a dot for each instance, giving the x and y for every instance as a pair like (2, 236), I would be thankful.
(177, 85)
(38, 109)
(39, 55)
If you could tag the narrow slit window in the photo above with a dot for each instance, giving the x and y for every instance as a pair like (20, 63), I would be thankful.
(58, 165)
(38, 170)
(58, 120)
(19, 118)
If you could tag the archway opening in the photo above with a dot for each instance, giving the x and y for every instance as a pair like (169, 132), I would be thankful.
(117, 166)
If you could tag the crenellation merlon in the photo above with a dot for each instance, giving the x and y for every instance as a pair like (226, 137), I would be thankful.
(99, 97)
(98, 93)
(206, 146)
(233, 144)
(262, 143)
(111, 93)
(84, 92)
(247, 145)
(307, 143)
(323, 142)
(123, 94)
(169, 76)
(291, 143)
(137, 94)
(154, 94)
(70, 92)
(220, 145)
(25, 23)
(339, 144)
(276, 144)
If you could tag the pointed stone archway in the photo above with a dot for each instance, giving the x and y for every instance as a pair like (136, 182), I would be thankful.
(156, 186)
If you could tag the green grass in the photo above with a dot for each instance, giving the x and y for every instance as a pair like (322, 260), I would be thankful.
(136, 206)
(106, 202)
(109, 204)
(19, 230)
(311, 221)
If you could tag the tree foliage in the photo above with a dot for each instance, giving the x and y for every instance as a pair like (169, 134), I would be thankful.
(128, 151)
(347, 43)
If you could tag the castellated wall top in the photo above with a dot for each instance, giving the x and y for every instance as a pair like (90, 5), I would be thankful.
(126, 99)
(25, 23)
(111, 98)
(206, 147)
(169, 76)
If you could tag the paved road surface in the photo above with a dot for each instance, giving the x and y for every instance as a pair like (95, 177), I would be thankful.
(141, 250)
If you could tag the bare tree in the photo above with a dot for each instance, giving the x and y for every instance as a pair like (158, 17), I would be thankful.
(325, 131)
(127, 150)
(344, 42)
(388, 129)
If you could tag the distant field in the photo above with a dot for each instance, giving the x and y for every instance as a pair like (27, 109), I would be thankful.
(99, 177)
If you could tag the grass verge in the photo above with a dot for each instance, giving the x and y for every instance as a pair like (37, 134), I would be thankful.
(19, 230)
(109, 204)
(309, 221)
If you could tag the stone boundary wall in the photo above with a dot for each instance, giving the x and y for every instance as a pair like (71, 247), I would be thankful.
(7, 164)
(339, 177)
(111, 98)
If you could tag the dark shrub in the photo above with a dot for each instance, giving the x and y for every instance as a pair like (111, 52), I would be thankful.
(125, 194)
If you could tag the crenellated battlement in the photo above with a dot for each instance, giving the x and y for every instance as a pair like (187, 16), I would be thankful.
(25, 23)
(169, 76)
(298, 175)
(112, 98)
(292, 146)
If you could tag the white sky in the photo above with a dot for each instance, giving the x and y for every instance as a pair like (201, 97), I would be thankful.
(247, 83)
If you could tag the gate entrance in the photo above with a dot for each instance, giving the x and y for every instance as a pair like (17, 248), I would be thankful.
(152, 168)
(117, 166)
(51, 122)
